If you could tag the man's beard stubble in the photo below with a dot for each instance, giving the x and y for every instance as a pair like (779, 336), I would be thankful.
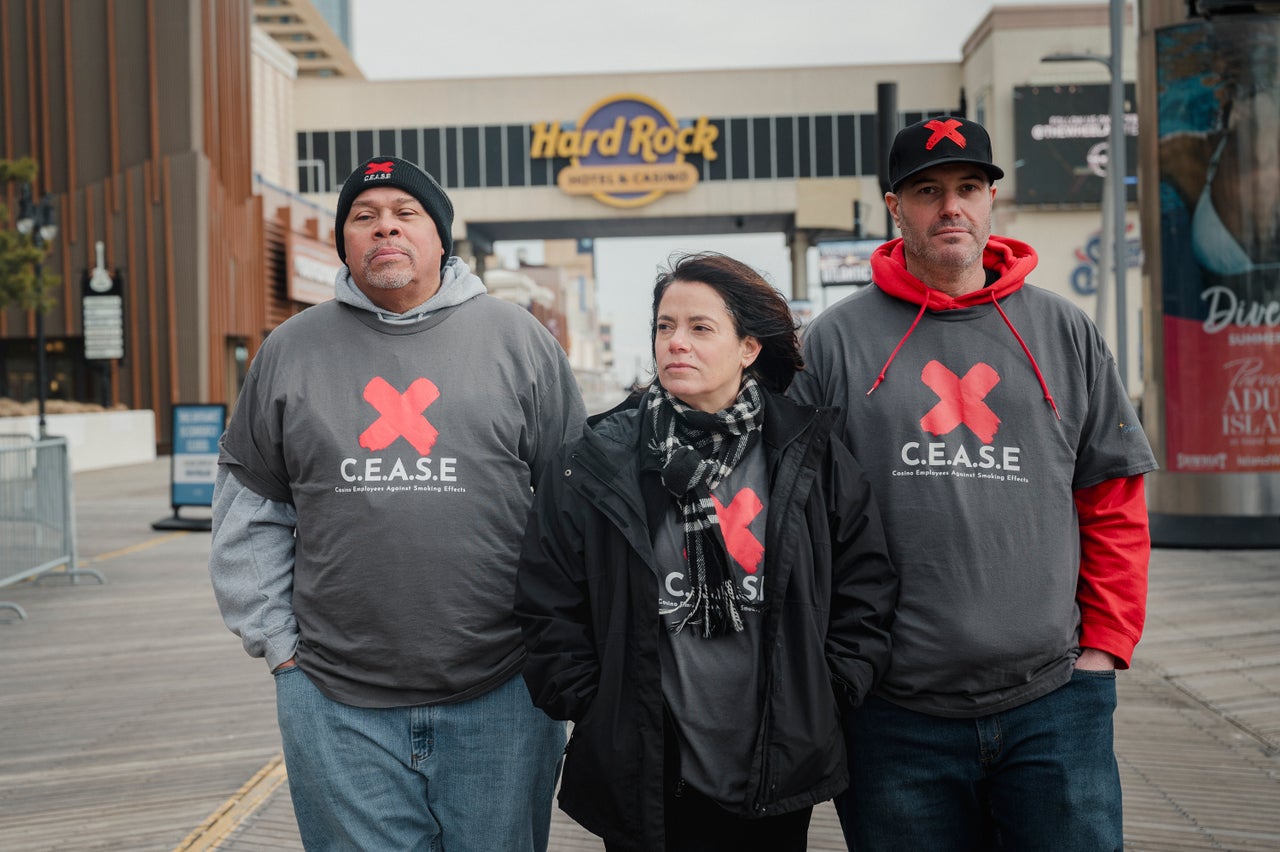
(389, 276)
(921, 245)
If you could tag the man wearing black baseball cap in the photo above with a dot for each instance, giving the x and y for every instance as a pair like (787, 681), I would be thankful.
(370, 502)
(1008, 462)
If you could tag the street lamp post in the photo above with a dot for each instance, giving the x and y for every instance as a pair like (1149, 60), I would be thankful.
(1116, 169)
(39, 222)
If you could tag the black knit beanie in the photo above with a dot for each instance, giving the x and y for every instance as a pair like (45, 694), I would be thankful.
(402, 174)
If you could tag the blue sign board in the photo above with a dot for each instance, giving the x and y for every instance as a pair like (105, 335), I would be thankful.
(196, 430)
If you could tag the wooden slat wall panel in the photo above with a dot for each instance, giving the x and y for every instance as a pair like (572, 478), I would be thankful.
(46, 153)
(6, 86)
(113, 96)
(279, 308)
(69, 94)
(133, 306)
(237, 286)
(170, 294)
(125, 186)
(153, 83)
(33, 120)
(149, 256)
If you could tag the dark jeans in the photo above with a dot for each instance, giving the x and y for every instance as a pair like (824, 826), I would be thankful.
(1042, 776)
(695, 823)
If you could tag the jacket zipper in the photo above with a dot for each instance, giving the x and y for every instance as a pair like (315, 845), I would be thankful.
(765, 720)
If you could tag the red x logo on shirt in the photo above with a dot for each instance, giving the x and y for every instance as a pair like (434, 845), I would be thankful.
(401, 415)
(380, 168)
(943, 130)
(735, 520)
(960, 400)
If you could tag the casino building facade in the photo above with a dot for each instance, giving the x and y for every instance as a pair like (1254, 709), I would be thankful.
(203, 143)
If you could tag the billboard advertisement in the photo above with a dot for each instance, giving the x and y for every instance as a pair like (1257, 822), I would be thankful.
(1218, 90)
(1061, 139)
(845, 262)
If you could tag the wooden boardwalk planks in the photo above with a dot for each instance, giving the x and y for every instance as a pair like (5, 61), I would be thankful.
(129, 715)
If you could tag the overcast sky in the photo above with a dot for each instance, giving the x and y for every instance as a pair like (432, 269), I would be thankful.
(424, 39)
(397, 39)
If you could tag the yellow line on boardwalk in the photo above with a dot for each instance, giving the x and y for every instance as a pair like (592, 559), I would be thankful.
(227, 818)
(133, 548)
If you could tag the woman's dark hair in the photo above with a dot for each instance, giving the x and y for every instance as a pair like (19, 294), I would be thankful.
(758, 310)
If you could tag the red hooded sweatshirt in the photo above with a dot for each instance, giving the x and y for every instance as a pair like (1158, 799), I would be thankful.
(1115, 543)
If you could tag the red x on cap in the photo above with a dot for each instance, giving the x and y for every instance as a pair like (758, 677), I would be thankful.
(938, 140)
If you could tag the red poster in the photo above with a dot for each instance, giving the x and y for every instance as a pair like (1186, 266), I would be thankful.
(1218, 87)
(1224, 388)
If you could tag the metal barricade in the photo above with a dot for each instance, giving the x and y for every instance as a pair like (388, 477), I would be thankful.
(37, 521)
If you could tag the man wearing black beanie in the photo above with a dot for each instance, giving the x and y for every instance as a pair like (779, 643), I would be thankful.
(370, 502)
(402, 174)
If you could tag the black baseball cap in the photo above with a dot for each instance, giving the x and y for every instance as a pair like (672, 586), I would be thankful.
(937, 141)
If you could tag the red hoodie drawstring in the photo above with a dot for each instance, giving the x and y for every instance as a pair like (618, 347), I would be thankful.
(894, 353)
(1034, 366)
(1010, 259)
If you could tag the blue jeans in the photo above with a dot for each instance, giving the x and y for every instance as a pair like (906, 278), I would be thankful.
(1042, 776)
(475, 776)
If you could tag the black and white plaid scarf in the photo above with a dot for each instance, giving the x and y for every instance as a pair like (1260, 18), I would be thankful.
(697, 451)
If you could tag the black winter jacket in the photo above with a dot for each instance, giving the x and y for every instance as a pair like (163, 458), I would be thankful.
(587, 604)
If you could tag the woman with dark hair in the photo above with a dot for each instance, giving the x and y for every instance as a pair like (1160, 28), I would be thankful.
(704, 586)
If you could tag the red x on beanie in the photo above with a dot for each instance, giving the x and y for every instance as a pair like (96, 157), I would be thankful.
(402, 174)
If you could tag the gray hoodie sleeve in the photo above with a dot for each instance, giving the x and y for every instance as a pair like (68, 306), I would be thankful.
(251, 567)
